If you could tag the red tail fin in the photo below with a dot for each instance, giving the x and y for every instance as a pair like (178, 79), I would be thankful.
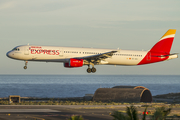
(161, 50)
(165, 43)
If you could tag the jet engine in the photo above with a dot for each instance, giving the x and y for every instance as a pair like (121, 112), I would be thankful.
(74, 63)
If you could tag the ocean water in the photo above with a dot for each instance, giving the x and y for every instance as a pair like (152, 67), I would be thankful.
(59, 86)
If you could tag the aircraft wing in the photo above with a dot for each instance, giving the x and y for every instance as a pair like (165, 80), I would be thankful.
(98, 57)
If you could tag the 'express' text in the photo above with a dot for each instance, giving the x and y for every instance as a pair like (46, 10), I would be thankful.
(41, 51)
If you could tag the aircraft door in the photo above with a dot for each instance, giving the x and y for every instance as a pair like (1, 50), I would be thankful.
(148, 56)
(61, 52)
(26, 50)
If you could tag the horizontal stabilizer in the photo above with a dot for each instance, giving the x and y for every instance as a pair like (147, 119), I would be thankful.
(168, 55)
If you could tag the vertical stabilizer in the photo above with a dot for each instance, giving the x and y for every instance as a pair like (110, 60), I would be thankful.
(165, 43)
(161, 50)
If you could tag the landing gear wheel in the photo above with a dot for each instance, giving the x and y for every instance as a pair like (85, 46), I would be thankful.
(89, 70)
(93, 70)
(25, 67)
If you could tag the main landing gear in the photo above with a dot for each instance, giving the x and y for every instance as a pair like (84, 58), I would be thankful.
(25, 67)
(93, 69)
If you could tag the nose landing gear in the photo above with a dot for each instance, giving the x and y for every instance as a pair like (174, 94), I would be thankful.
(25, 67)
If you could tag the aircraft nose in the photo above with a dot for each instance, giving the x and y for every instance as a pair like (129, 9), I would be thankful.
(8, 54)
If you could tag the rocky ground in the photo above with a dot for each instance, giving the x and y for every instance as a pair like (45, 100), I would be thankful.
(169, 98)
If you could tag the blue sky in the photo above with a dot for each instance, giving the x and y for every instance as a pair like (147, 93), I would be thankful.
(131, 25)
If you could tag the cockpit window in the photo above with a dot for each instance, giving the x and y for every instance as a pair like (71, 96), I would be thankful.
(15, 49)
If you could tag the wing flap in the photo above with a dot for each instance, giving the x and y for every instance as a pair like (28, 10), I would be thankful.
(98, 57)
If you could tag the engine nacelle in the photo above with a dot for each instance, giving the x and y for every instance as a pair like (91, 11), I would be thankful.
(74, 63)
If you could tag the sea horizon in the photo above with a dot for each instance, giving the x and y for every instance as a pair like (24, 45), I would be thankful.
(61, 85)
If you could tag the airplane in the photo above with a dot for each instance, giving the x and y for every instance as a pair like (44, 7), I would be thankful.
(73, 57)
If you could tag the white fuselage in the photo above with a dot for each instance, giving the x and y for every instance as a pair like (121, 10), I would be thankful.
(63, 54)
